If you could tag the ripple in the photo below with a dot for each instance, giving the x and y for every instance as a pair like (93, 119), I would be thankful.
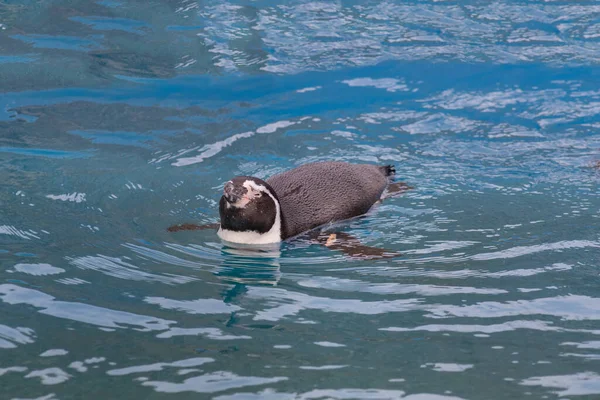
(448, 367)
(492, 101)
(524, 35)
(456, 274)
(351, 285)
(81, 366)
(389, 84)
(199, 306)
(344, 134)
(109, 24)
(211, 383)
(12, 369)
(49, 153)
(168, 258)
(189, 362)
(209, 333)
(305, 36)
(59, 42)
(498, 237)
(72, 281)
(86, 313)
(329, 344)
(50, 376)
(54, 353)
(441, 246)
(11, 230)
(4, 59)
(508, 131)
(38, 269)
(488, 329)
(287, 303)
(572, 307)
(308, 89)
(9, 336)
(526, 250)
(440, 123)
(321, 367)
(584, 345)
(581, 384)
(115, 267)
(50, 396)
(338, 394)
(587, 357)
(248, 265)
(210, 150)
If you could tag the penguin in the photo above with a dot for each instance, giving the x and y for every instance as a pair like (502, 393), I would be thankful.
(256, 211)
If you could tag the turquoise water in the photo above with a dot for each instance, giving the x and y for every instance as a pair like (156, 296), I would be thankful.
(121, 118)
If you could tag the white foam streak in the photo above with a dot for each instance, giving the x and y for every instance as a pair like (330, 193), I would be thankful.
(38, 269)
(581, 384)
(50, 396)
(209, 333)
(11, 230)
(330, 344)
(12, 369)
(9, 336)
(322, 367)
(584, 345)
(389, 84)
(351, 285)
(50, 376)
(441, 246)
(80, 312)
(286, 303)
(488, 329)
(199, 306)
(308, 89)
(189, 362)
(337, 394)
(439, 123)
(271, 128)
(571, 307)
(448, 367)
(456, 274)
(210, 150)
(526, 250)
(72, 197)
(211, 383)
(54, 353)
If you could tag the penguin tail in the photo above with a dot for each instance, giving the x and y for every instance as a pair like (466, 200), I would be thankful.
(388, 170)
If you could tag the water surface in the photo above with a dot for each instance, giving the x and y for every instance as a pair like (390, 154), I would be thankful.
(121, 118)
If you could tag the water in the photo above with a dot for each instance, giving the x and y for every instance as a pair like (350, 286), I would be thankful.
(121, 118)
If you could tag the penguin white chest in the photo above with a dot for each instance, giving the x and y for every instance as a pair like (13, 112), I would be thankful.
(251, 237)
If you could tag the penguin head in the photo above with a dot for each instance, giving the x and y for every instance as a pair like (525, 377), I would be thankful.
(250, 212)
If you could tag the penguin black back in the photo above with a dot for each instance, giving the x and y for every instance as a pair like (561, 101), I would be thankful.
(318, 193)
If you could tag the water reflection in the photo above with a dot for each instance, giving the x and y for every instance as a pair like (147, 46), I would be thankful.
(250, 264)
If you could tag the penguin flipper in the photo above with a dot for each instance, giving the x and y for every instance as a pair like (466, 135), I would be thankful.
(352, 247)
(193, 227)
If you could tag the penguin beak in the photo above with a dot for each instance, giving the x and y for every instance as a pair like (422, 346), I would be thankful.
(233, 193)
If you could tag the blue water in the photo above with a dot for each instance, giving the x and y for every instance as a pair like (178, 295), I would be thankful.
(121, 118)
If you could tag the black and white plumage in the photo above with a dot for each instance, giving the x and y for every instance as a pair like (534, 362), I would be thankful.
(254, 211)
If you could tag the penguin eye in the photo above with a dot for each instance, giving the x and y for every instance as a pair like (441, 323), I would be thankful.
(258, 194)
